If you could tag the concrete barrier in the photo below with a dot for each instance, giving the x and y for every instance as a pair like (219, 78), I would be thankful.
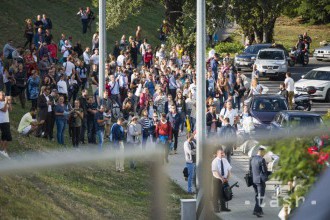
(188, 209)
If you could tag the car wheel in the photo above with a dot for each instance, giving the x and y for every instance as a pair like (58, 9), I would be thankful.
(327, 96)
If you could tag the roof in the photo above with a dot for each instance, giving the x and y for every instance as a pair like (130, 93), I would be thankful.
(325, 68)
(271, 49)
(268, 96)
(300, 113)
(261, 44)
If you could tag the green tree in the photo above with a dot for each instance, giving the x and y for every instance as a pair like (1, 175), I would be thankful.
(257, 17)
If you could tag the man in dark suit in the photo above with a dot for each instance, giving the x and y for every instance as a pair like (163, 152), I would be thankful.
(43, 111)
(259, 171)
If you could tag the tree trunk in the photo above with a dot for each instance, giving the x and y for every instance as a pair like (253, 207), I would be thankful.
(173, 13)
(268, 31)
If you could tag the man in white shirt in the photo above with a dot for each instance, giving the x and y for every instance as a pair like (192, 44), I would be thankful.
(95, 57)
(144, 47)
(228, 112)
(121, 59)
(69, 67)
(65, 49)
(5, 107)
(87, 57)
(62, 87)
(289, 86)
(221, 172)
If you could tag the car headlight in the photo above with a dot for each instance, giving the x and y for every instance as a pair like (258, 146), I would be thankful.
(319, 88)
(256, 121)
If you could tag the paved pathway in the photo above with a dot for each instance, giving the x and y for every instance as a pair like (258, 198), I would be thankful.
(243, 201)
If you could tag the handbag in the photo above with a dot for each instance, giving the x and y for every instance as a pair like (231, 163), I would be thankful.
(248, 179)
(227, 192)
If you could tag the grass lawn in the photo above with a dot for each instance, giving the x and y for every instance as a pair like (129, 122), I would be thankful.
(92, 191)
(64, 19)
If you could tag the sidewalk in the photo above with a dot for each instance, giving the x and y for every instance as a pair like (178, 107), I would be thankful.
(243, 202)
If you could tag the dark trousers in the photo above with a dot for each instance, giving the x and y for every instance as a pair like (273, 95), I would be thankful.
(83, 129)
(8, 88)
(50, 121)
(173, 93)
(259, 190)
(175, 135)
(91, 132)
(123, 93)
(116, 98)
(218, 195)
(84, 25)
(75, 136)
(145, 135)
(29, 38)
(21, 97)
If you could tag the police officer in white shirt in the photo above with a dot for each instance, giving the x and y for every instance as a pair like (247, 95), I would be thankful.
(221, 172)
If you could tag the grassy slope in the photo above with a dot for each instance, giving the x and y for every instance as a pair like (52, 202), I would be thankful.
(90, 192)
(63, 16)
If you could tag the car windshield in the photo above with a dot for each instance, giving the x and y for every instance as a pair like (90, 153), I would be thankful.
(318, 75)
(254, 49)
(269, 105)
(271, 55)
(304, 121)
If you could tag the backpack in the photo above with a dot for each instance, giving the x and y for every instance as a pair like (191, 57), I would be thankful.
(115, 111)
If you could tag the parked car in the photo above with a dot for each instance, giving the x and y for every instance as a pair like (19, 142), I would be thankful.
(263, 108)
(288, 120)
(322, 53)
(272, 62)
(320, 79)
(246, 59)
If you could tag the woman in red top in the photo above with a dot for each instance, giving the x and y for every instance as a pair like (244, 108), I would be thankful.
(52, 48)
(148, 58)
(30, 63)
(164, 134)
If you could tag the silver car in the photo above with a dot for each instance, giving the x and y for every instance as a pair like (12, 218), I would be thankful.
(322, 53)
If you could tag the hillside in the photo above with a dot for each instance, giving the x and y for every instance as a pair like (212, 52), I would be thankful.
(64, 19)
(92, 191)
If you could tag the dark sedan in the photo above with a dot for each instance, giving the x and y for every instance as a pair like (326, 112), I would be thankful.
(288, 120)
(263, 109)
(246, 59)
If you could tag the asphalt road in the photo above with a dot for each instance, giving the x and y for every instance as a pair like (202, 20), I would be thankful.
(297, 71)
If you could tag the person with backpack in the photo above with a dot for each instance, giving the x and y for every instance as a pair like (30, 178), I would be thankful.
(164, 133)
(189, 147)
(117, 137)
(228, 136)
(133, 137)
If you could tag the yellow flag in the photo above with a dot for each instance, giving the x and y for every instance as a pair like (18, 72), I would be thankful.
(188, 124)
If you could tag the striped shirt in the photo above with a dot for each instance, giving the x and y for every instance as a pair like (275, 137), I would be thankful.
(145, 123)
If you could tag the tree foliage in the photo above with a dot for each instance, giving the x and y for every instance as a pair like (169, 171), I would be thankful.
(311, 11)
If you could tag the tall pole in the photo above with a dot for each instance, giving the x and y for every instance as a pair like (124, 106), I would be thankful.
(102, 46)
(200, 116)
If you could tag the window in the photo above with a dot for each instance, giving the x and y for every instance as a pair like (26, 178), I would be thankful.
(271, 55)
(269, 105)
(318, 75)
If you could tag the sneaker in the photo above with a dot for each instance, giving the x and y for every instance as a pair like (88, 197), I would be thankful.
(5, 154)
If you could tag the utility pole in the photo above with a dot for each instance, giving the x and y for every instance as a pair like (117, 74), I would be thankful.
(102, 46)
(200, 114)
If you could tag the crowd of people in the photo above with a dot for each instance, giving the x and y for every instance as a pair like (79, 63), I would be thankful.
(150, 94)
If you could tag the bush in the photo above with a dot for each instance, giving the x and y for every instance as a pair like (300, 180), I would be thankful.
(227, 47)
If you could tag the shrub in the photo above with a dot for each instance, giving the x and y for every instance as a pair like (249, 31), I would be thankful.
(228, 47)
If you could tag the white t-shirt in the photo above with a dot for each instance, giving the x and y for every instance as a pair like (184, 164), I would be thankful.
(86, 58)
(211, 53)
(65, 51)
(216, 166)
(225, 113)
(289, 83)
(62, 87)
(95, 59)
(120, 60)
(4, 116)
(68, 68)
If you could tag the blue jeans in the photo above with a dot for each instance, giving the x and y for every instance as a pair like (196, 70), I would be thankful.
(237, 101)
(60, 125)
(223, 98)
(191, 174)
(100, 136)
